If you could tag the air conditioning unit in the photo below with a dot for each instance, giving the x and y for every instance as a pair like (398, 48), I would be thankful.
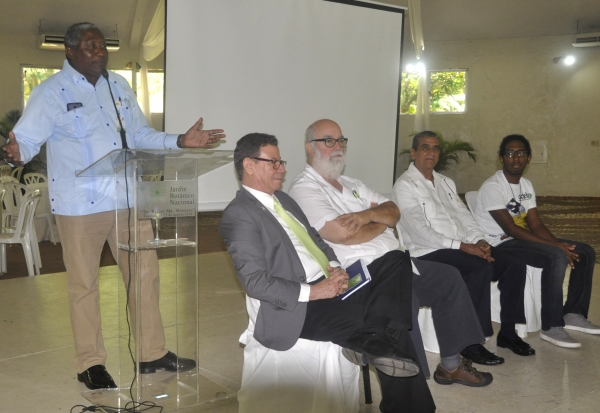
(55, 42)
(587, 40)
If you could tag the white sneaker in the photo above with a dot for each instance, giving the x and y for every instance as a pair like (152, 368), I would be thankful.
(578, 322)
(559, 337)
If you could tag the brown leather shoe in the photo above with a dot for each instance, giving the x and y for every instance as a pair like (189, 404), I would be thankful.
(465, 374)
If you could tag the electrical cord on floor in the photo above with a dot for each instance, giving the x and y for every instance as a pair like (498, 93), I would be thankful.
(132, 406)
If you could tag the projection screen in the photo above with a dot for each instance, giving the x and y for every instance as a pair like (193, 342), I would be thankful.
(276, 66)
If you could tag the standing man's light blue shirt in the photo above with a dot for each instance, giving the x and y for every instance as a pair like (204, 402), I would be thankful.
(79, 137)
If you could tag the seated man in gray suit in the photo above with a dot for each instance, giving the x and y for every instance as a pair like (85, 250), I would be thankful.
(283, 262)
(357, 221)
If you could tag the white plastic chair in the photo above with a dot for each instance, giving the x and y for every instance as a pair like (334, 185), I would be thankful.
(5, 170)
(15, 194)
(43, 210)
(34, 178)
(8, 178)
(16, 173)
(312, 376)
(24, 234)
(153, 177)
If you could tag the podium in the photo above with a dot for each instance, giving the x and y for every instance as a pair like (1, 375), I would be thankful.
(156, 212)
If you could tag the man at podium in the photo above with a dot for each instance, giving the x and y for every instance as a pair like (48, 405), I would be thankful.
(82, 113)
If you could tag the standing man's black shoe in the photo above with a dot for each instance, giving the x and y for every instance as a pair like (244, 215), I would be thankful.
(482, 356)
(96, 377)
(379, 350)
(168, 362)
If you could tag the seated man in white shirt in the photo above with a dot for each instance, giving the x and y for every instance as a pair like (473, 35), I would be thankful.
(357, 223)
(437, 226)
(507, 212)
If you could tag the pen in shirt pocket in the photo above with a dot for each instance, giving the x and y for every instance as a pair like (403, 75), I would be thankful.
(355, 194)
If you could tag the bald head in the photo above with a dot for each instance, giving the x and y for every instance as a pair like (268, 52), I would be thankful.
(329, 161)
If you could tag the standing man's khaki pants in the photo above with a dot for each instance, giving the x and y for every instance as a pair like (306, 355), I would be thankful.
(82, 239)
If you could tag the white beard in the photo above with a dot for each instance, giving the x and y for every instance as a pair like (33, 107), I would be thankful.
(329, 168)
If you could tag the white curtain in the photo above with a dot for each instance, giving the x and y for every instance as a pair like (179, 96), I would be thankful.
(416, 28)
(416, 31)
(422, 111)
(154, 41)
(152, 45)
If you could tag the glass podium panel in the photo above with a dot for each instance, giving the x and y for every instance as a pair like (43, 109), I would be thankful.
(156, 212)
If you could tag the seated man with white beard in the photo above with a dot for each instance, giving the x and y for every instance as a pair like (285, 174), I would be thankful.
(357, 223)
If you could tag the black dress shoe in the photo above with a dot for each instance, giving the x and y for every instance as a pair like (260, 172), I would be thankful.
(482, 356)
(517, 346)
(96, 377)
(168, 362)
(379, 350)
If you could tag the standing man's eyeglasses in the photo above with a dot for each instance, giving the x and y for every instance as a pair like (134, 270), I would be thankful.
(518, 154)
(330, 142)
(276, 162)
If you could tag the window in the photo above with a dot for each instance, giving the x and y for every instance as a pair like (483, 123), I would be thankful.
(33, 76)
(155, 87)
(447, 91)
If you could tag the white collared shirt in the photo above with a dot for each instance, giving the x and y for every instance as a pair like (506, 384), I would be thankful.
(311, 266)
(321, 202)
(79, 137)
(432, 215)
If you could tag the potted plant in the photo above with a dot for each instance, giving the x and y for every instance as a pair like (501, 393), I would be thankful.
(7, 124)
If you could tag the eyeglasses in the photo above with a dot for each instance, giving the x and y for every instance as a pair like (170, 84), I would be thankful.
(519, 154)
(276, 162)
(330, 142)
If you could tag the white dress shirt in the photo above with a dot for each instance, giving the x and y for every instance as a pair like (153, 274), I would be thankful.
(432, 216)
(321, 202)
(311, 266)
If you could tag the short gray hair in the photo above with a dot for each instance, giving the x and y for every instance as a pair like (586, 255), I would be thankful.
(424, 134)
(75, 33)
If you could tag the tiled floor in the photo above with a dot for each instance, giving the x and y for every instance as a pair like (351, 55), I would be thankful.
(37, 370)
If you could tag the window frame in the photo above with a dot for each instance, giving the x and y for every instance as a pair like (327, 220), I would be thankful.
(429, 73)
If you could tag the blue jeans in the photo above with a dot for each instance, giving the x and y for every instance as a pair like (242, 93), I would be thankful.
(554, 262)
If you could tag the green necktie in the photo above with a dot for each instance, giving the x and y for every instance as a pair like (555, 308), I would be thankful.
(304, 238)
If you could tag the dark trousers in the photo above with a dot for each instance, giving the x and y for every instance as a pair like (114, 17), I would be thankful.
(384, 303)
(441, 287)
(477, 273)
(553, 262)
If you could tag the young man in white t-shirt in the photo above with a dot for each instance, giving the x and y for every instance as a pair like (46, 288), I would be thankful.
(506, 210)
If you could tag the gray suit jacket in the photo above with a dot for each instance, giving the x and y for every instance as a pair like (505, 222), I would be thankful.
(268, 265)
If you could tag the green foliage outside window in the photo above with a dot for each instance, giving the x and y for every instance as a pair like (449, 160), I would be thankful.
(408, 93)
(447, 92)
(33, 76)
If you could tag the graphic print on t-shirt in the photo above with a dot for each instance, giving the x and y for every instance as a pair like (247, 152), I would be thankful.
(517, 212)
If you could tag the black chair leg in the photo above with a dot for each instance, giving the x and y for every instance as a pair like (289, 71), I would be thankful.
(367, 383)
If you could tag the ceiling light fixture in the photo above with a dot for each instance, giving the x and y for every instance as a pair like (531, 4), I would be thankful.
(567, 60)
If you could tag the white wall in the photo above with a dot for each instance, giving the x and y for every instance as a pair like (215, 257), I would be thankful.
(514, 87)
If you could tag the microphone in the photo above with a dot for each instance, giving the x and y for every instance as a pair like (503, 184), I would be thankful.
(122, 131)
